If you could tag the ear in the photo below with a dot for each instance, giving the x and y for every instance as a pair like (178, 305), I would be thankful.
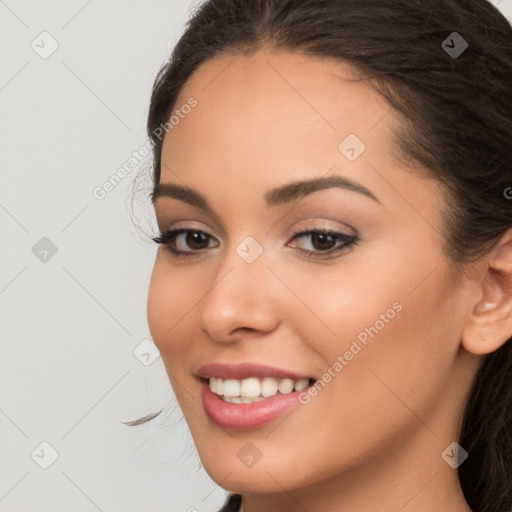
(489, 324)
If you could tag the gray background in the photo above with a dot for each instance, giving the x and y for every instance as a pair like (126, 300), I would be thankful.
(73, 360)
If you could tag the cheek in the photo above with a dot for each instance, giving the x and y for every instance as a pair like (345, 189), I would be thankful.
(383, 334)
(160, 298)
(397, 347)
(341, 305)
(389, 305)
(171, 298)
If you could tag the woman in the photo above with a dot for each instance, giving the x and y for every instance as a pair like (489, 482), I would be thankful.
(332, 296)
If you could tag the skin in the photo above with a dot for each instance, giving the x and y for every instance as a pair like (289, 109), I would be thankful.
(372, 438)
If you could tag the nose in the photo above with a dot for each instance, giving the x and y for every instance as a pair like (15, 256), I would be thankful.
(241, 298)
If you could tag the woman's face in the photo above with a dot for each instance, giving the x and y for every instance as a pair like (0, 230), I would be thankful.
(373, 315)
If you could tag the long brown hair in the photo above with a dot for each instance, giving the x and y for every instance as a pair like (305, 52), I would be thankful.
(456, 116)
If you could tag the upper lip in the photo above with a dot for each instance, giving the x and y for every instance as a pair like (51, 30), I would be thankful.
(245, 370)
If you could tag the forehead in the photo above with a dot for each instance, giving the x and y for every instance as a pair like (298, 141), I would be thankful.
(290, 95)
(271, 104)
(273, 117)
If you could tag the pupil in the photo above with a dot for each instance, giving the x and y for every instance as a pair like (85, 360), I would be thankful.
(323, 237)
(195, 238)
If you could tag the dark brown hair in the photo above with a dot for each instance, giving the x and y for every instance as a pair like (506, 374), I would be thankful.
(456, 122)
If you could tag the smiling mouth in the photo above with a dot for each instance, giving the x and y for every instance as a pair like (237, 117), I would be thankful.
(254, 389)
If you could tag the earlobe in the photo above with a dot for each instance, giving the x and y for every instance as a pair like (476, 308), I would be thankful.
(489, 324)
(488, 328)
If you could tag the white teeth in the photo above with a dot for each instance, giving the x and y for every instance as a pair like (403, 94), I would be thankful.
(241, 399)
(250, 388)
(231, 387)
(301, 384)
(285, 386)
(253, 389)
(268, 387)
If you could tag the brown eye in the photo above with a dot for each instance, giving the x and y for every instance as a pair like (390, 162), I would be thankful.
(185, 242)
(196, 240)
(323, 241)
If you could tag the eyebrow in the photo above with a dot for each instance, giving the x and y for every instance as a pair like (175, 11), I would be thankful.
(274, 197)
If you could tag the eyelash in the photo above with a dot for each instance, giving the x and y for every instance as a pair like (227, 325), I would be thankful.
(347, 241)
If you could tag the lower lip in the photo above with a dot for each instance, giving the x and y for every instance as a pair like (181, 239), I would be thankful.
(245, 416)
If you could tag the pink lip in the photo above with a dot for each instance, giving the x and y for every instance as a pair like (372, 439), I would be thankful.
(245, 370)
(245, 416)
